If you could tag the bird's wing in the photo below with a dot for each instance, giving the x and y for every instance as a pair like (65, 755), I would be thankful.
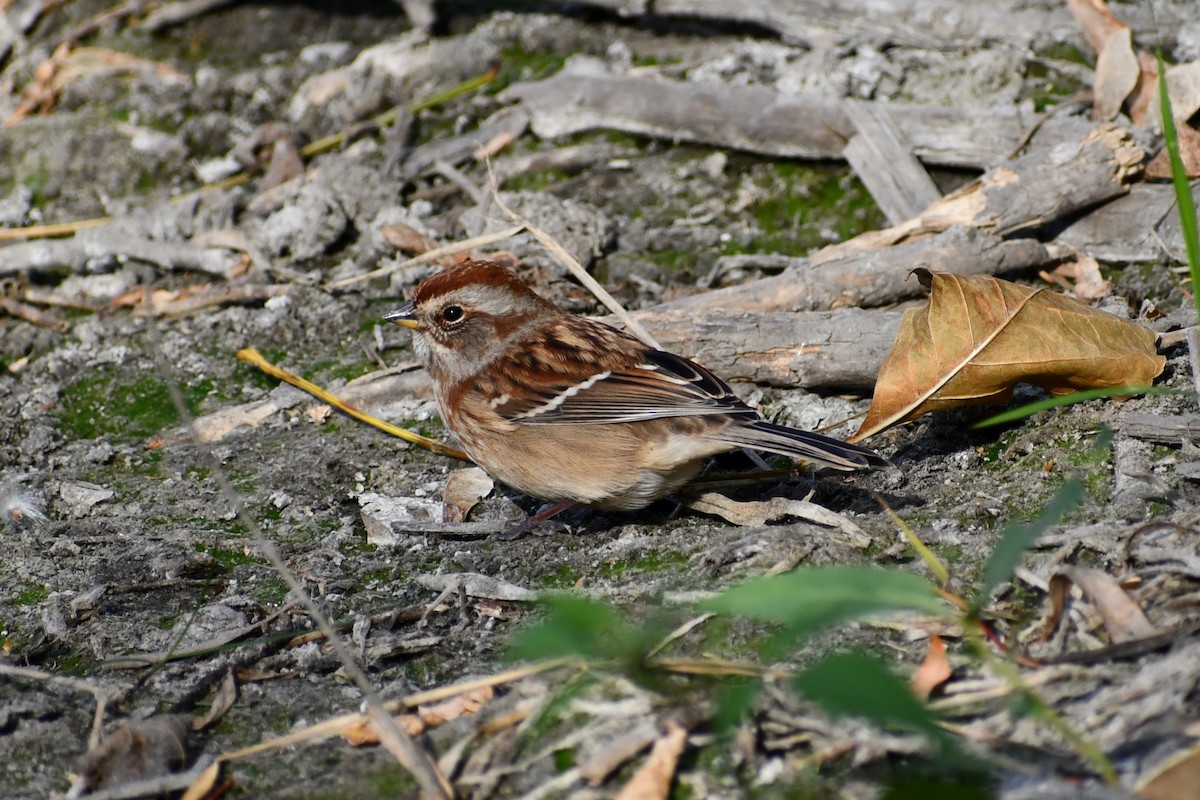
(630, 383)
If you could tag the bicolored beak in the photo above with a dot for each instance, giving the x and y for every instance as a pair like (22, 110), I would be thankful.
(404, 315)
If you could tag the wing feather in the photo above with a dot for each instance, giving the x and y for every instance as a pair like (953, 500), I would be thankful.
(629, 383)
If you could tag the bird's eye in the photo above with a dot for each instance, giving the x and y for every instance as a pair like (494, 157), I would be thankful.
(452, 314)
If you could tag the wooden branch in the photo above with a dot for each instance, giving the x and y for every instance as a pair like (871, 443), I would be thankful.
(818, 350)
(881, 155)
(872, 278)
(1140, 226)
(72, 254)
(926, 24)
(761, 120)
(1025, 194)
(1173, 430)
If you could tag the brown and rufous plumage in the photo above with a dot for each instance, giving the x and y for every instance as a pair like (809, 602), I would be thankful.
(565, 408)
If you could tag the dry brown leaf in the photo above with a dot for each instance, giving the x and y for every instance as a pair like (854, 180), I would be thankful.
(934, 670)
(1176, 777)
(652, 781)
(1159, 167)
(1095, 21)
(406, 238)
(981, 336)
(1081, 276)
(464, 489)
(1124, 78)
(1142, 99)
(1123, 618)
(223, 700)
(144, 749)
(1118, 71)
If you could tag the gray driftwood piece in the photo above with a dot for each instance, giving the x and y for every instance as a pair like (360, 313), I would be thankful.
(872, 277)
(818, 350)
(1027, 193)
(1161, 429)
(761, 120)
(111, 243)
(881, 155)
(1141, 226)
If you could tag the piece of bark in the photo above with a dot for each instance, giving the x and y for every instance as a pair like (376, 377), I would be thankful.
(881, 155)
(1024, 194)
(1160, 429)
(1140, 226)
(818, 350)
(939, 25)
(108, 243)
(874, 277)
(762, 120)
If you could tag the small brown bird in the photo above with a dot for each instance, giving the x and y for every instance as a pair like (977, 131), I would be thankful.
(570, 410)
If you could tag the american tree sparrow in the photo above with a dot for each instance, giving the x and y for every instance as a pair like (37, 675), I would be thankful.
(570, 410)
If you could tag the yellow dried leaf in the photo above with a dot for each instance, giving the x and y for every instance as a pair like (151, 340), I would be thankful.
(980, 336)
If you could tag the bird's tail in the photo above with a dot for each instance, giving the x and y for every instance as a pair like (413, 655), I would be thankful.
(822, 451)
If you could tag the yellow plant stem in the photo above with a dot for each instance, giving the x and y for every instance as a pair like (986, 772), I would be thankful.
(252, 356)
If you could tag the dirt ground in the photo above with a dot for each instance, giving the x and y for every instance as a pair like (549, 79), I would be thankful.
(141, 550)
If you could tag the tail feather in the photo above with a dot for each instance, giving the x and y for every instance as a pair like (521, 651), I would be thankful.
(820, 450)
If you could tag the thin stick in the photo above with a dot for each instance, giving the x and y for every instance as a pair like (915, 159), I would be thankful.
(252, 356)
(574, 266)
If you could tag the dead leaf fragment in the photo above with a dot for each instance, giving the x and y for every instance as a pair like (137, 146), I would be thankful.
(464, 489)
(934, 670)
(1117, 72)
(205, 784)
(1159, 167)
(144, 749)
(1177, 777)
(652, 781)
(406, 238)
(980, 336)
(1081, 275)
(1123, 618)
(1118, 67)
(226, 695)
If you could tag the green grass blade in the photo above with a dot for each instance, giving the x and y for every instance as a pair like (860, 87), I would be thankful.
(1183, 189)
(1016, 538)
(1029, 409)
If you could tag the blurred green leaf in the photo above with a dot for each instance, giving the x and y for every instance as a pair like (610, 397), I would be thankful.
(808, 600)
(1017, 537)
(734, 698)
(575, 626)
(852, 684)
